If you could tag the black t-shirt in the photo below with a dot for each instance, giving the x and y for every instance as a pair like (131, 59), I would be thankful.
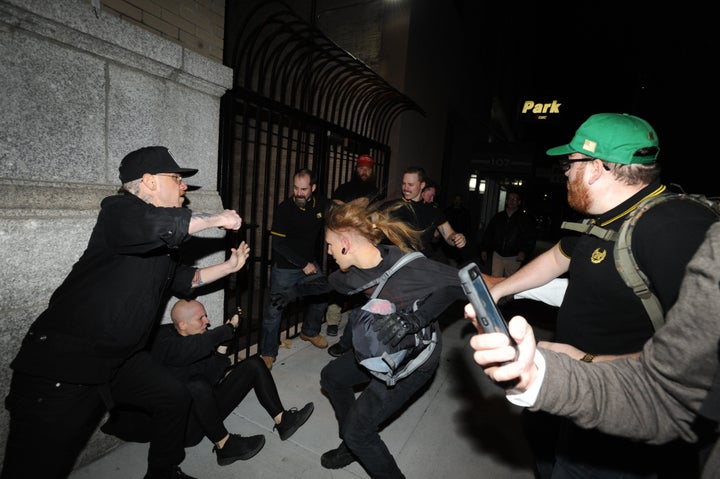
(355, 188)
(296, 232)
(599, 313)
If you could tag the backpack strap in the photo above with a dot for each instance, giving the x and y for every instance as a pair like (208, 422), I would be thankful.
(625, 262)
(392, 378)
(590, 229)
(382, 279)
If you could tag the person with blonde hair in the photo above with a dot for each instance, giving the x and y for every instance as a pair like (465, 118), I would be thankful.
(420, 291)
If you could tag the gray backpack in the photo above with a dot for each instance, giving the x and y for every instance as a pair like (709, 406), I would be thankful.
(386, 362)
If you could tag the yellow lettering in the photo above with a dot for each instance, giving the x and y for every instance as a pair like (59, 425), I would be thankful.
(541, 108)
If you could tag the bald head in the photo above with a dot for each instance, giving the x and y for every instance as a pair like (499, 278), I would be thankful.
(189, 317)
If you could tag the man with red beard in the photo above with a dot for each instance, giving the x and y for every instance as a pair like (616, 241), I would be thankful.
(611, 166)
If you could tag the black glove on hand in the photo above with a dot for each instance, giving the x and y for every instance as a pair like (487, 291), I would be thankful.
(280, 300)
(393, 327)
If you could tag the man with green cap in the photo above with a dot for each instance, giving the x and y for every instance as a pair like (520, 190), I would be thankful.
(611, 166)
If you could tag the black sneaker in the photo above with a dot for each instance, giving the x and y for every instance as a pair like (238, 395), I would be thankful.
(332, 330)
(174, 474)
(337, 458)
(338, 349)
(238, 448)
(293, 419)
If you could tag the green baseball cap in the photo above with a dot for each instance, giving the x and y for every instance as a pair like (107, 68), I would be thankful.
(613, 137)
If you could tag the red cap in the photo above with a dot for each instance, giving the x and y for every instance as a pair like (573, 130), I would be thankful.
(366, 161)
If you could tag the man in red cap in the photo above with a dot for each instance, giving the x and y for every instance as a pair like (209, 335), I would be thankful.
(86, 352)
(361, 189)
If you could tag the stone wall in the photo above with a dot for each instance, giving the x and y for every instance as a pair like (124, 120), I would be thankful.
(79, 91)
(196, 25)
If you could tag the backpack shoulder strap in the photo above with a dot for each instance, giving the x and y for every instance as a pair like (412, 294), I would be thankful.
(590, 229)
(382, 279)
(625, 261)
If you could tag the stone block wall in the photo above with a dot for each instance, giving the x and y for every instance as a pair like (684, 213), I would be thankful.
(79, 91)
(196, 25)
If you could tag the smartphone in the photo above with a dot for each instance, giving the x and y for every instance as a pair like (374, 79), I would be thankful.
(488, 316)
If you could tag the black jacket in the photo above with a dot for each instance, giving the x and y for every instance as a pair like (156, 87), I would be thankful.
(107, 306)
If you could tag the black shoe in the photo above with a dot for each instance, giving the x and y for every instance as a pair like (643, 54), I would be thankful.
(337, 458)
(338, 349)
(293, 419)
(174, 474)
(238, 448)
(332, 330)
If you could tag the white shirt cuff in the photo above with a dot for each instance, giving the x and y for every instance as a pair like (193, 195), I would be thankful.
(528, 398)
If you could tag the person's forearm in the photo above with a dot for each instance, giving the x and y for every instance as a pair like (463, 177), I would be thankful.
(227, 219)
(537, 272)
(601, 396)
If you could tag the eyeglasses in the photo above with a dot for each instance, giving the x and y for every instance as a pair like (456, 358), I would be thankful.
(178, 178)
(565, 163)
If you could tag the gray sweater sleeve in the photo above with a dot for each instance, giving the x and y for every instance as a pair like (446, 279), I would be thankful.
(654, 398)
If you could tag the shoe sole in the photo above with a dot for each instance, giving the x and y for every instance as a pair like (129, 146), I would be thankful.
(229, 460)
(301, 420)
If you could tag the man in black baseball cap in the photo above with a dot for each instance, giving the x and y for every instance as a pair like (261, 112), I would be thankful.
(153, 160)
(86, 352)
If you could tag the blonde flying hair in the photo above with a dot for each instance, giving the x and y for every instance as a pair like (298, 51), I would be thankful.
(374, 225)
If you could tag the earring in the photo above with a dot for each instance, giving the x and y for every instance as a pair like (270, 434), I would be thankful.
(343, 251)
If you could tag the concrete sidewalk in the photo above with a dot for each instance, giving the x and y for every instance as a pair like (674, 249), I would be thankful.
(461, 427)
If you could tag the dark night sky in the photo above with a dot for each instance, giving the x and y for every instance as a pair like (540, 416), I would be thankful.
(633, 57)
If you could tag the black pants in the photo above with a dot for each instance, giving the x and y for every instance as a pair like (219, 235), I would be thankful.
(51, 421)
(359, 418)
(212, 404)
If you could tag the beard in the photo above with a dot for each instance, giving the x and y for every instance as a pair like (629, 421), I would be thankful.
(578, 196)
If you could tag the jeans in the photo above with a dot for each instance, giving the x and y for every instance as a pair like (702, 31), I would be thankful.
(359, 418)
(280, 280)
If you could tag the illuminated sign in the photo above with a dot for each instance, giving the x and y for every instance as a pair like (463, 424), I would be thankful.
(541, 111)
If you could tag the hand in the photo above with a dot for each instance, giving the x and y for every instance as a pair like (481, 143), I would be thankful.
(392, 328)
(310, 269)
(234, 321)
(280, 300)
(459, 240)
(229, 220)
(492, 349)
(238, 256)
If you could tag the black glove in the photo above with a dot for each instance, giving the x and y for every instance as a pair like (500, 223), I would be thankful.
(392, 328)
(280, 300)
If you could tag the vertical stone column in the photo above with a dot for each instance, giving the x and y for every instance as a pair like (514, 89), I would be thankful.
(80, 91)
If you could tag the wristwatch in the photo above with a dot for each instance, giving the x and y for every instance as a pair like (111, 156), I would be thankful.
(588, 358)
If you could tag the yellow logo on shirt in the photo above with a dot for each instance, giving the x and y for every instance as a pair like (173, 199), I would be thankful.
(598, 256)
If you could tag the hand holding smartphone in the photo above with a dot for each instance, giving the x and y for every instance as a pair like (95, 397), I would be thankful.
(488, 317)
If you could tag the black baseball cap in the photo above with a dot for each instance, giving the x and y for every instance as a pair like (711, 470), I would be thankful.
(153, 160)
